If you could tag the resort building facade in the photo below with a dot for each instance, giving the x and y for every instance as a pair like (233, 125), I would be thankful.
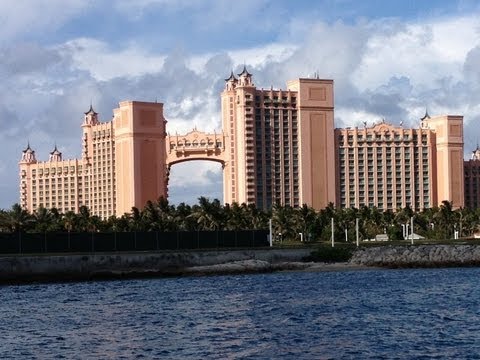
(280, 145)
(472, 180)
(391, 167)
(276, 146)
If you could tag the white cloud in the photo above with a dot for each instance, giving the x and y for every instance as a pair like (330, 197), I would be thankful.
(421, 52)
(104, 63)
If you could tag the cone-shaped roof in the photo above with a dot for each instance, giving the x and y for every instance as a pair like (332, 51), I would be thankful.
(91, 111)
(426, 116)
(232, 77)
(244, 71)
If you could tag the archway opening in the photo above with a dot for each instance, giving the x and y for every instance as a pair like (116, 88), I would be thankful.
(192, 179)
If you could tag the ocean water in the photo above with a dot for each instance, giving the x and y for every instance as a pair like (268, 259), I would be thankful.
(368, 314)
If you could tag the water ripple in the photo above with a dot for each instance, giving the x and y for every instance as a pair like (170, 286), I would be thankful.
(381, 314)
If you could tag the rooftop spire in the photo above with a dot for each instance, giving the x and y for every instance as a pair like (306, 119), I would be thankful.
(245, 78)
(91, 111)
(426, 116)
(55, 155)
(244, 71)
(231, 77)
(28, 155)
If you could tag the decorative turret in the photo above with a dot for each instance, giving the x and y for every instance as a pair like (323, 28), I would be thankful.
(231, 82)
(426, 116)
(28, 155)
(424, 120)
(245, 78)
(476, 154)
(55, 155)
(91, 117)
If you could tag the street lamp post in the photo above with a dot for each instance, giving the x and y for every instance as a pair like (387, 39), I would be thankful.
(356, 230)
(411, 229)
(333, 234)
(271, 233)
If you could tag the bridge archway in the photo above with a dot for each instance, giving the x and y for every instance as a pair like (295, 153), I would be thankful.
(194, 146)
(189, 180)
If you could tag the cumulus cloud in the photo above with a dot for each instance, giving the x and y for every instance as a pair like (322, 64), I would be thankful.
(103, 63)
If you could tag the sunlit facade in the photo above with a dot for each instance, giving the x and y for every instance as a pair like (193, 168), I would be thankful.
(472, 180)
(281, 147)
(391, 167)
(276, 147)
(119, 167)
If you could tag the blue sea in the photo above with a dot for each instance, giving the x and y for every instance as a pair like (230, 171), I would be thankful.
(366, 314)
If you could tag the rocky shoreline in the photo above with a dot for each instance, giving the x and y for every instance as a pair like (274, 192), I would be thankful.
(28, 269)
(416, 256)
(259, 266)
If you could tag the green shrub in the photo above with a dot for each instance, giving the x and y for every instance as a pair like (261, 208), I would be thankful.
(332, 254)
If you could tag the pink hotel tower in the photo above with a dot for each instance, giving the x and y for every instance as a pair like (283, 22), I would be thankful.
(277, 146)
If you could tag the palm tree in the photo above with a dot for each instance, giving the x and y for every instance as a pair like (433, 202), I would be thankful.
(70, 221)
(183, 219)
(255, 218)
(283, 221)
(136, 221)
(208, 214)
(167, 214)
(324, 219)
(84, 218)
(17, 219)
(236, 216)
(43, 220)
(445, 220)
(151, 217)
(305, 221)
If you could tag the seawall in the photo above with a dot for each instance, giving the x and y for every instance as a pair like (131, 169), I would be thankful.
(23, 268)
(417, 256)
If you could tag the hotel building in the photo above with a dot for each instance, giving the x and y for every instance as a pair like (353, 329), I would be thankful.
(117, 170)
(392, 167)
(472, 180)
(281, 148)
(277, 146)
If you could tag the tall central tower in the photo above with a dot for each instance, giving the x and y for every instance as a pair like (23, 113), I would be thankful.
(281, 143)
(140, 171)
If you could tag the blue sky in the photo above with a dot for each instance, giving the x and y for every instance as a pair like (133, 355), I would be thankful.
(389, 59)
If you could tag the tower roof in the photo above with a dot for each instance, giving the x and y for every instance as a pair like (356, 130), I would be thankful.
(244, 71)
(55, 151)
(426, 116)
(91, 111)
(28, 148)
(232, 77)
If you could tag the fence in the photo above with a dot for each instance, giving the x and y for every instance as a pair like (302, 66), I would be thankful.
(28, 243)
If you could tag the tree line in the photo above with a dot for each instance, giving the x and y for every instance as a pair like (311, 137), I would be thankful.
(288, 223)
